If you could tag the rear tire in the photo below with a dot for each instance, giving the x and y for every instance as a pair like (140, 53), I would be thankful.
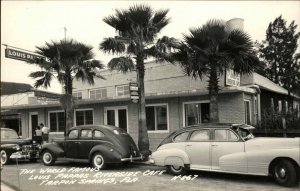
(176, 170)
(48, 158)
(4, 157)
(285, 173)
(98, 161)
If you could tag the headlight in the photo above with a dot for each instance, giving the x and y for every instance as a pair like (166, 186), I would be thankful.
(33, 141)
(16, 147)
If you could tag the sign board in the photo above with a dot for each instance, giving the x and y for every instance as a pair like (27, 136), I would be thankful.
(20, 55)
(232, 79)
(134, 94)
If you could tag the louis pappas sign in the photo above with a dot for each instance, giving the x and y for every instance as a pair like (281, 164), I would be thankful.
(20, 55)
(134, 95)
(232, 78)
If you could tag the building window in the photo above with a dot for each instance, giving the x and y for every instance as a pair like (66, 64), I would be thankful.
(98, 93)
(196, 113)
(57, 121)
(122, 90)
(157, 118)
(247, 112)
(84, 117)
(77, 95)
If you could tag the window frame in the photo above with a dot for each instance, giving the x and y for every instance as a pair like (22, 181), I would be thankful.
(180, 133)
(194, 130)
(77, 134)
(104, 88)
(85, 138)
(57, 127)
(116, 89)
(168, 121)
(84, 109)
(76, 97)
(98, 138)
(191, 102)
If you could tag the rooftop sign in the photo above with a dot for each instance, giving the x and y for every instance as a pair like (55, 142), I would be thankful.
(232, 79)
(20, 55)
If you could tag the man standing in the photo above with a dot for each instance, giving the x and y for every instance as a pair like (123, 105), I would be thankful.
(45, 133)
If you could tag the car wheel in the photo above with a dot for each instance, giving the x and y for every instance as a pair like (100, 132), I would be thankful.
(285, 173)
(4, 157)
(98, 161)
(176, 170)
(48, 158)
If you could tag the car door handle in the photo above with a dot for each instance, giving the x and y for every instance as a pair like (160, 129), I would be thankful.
(214, 145)
(189, 145)
(78, 142)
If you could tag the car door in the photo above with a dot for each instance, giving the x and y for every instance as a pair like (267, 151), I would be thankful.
(198, 149)
(72, 144)
(85, 143)
(226, 142)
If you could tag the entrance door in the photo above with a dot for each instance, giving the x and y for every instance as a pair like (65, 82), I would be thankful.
(116, 116)
(196, 113)
(33, 123)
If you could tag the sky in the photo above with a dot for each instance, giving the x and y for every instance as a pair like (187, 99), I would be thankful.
(27, 24)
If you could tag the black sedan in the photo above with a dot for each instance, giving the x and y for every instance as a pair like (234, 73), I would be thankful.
(12, 146)
(99, 145)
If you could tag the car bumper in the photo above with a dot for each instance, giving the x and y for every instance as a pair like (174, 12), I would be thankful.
(131, 158)
(20, 155)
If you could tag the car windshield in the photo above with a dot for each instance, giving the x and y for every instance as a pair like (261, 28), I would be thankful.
(8, 134)
(245, 133)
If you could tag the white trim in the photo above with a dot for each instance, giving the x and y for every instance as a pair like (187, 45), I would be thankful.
(30, 122)
(83, 109)
(250, 111)
(116, 108)
(189, 102)
(54, 111)
(168, 121)
(95, 89)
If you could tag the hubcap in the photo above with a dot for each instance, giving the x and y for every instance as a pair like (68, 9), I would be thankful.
(3, 157)
(176, 168)
(98, 161)
(47, 158)
(281, 173)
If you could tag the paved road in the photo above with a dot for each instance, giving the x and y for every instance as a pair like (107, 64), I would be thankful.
(74, 176)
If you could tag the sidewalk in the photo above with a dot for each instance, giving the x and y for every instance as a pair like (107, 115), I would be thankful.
(4, 187)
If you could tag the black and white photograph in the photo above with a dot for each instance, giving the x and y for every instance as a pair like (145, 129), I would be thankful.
(150, 95)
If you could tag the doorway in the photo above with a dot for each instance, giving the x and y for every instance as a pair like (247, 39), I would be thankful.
(116, 116)
(33, 123)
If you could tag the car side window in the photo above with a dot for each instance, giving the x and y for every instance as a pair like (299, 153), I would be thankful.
(181, 137)
(98, 134)
(225, 135)
(232, 136)
(73, 134)
(200, 135)
(86, 133)
(221, 135)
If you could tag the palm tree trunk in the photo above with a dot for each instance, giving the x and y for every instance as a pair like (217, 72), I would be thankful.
(143, 140)
(213, 88)
(70, 107)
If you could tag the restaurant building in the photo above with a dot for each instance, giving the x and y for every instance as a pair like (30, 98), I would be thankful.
(173, 100)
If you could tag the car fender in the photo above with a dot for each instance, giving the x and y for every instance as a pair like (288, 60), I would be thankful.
(170, 156)
(109, 153)
(235, 162)
(259, 161)
(54, 148)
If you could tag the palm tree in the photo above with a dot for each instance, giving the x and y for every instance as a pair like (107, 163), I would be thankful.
(137, 29)
(67, 60)
(212, 49)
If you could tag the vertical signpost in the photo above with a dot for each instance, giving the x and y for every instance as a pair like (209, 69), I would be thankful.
(134, 92)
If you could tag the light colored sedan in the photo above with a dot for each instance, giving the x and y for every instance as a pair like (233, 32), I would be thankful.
(229, 148)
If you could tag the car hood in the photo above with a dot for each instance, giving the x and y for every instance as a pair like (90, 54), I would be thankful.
(16, 141)
(261, 143)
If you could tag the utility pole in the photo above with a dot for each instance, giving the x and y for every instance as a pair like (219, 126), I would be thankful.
(65, 29)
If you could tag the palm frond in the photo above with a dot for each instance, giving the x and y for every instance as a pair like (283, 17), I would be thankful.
(112, 45)
(123, 64)
(44, 81)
